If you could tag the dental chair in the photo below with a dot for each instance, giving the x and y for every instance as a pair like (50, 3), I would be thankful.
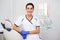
(10, 34)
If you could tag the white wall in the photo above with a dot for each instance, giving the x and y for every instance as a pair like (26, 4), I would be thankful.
(6, 9)
(54, 14)
(14, 8)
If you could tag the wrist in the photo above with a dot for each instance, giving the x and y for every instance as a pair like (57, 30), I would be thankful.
(28, 32)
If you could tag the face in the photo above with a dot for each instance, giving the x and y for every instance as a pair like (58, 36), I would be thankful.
(29, 9)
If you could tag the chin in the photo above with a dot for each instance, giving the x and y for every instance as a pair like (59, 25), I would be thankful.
(29, 13)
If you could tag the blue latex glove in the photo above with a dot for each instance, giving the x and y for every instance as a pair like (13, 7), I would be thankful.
(24, 34)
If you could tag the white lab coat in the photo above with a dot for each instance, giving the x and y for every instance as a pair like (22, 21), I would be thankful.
(29, 26)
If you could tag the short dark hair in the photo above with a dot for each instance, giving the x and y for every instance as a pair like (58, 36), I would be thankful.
(30, 4)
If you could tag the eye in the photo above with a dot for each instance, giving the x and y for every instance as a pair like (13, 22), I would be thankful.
(31, 8)
(27, 8)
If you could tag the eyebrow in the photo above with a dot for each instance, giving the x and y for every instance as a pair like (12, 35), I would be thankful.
(31, 8)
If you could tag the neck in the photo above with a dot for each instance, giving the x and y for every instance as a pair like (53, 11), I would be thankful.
(29, 15)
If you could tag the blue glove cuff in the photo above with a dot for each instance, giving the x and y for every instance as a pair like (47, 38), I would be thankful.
(28, 32)
(24, 33)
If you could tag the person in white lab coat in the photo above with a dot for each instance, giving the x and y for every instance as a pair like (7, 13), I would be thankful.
(31, 24)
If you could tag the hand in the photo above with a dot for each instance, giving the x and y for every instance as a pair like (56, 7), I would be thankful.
(24, 34)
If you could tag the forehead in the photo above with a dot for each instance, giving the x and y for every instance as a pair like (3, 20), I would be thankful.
(29, 6)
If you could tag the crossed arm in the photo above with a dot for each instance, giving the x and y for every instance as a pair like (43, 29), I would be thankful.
(36, 31)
